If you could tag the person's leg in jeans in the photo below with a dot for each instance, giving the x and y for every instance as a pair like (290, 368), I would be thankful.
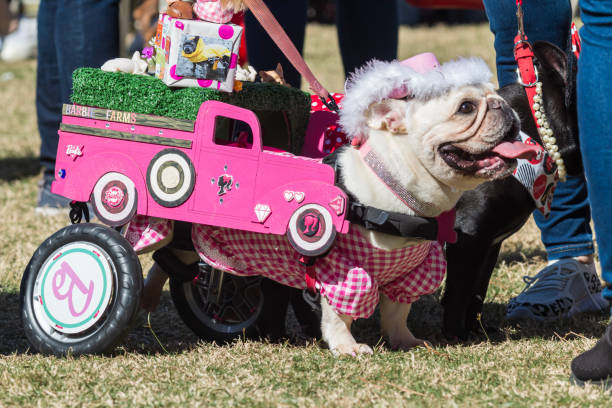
(566, 233)
(48, 88)
(594, 113)
(71, 34)
(366, 32)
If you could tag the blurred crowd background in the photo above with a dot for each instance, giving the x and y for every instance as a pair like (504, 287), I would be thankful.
(138, 22)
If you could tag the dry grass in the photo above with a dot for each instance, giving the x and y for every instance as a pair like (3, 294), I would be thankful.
(525, 365)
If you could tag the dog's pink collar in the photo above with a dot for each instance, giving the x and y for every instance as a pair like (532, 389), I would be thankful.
(377, 166)
(446, 220)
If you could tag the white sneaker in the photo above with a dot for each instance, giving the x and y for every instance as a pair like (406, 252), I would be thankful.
(21, 44)
(561, 289)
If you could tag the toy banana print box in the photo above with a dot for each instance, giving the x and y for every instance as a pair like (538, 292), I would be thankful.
(195, 53)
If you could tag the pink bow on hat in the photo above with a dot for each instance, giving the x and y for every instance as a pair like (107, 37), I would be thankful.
(421, 63)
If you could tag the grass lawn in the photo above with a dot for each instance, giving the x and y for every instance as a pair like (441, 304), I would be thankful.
(521, 365)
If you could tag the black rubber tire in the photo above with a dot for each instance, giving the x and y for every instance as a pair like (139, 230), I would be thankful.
(123, 306)
(191, 304)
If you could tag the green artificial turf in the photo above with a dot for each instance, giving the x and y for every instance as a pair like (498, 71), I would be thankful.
(145, 94)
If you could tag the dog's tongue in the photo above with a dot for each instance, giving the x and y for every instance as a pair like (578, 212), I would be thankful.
(516, 150)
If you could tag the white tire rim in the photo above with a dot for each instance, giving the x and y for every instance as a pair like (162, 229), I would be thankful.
(73, 289)
(114, 197)
(323, 240)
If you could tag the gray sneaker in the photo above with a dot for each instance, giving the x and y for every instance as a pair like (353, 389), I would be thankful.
(49, 203)
(562, 289)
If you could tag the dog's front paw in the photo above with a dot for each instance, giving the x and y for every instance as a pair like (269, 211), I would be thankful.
(351, 349)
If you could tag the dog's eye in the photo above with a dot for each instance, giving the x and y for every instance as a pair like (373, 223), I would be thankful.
(466, 107)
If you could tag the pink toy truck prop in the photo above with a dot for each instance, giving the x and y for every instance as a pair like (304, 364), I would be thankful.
(126, 163)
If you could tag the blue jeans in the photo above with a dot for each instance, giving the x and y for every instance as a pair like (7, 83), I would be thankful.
(71, 34)
(364, 32)
(566, 232)
(594, 121)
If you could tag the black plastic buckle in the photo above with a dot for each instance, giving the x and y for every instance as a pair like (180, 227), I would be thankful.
(331, 104)
(78, 209)
(375, 216)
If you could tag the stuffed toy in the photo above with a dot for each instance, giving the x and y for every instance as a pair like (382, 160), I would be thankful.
(134, 65)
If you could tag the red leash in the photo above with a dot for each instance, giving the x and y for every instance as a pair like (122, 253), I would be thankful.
(528, 78)
(576, 43)
(523, 54)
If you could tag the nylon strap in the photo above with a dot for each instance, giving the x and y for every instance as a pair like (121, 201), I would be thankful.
(280, 37)
(519, 18)
(310, 274)
(576, 43)
(523, 54)
(311, 279)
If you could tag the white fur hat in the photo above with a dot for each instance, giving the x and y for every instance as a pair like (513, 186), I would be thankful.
(379, 80)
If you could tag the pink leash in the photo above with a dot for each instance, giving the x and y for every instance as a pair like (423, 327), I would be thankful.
(280, 37)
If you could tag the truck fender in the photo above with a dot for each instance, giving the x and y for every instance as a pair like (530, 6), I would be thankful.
(285, 199)
(98, 165)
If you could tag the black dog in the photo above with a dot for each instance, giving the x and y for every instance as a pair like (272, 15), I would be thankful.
(495, 210)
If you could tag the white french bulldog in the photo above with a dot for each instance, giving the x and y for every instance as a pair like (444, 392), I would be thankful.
(435, 134)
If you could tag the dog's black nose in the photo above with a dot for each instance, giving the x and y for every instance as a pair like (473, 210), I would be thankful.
(494, 103)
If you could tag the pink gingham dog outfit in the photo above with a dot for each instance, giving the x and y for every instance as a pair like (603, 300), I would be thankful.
(350, 276)
(144, 232)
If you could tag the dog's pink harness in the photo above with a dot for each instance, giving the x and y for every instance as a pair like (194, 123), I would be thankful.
(350, 276)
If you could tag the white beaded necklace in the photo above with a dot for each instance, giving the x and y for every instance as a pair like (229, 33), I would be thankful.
(546, 133)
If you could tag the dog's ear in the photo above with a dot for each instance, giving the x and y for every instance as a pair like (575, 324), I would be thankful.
(388, 114)
(279, 70)
(551, 57)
